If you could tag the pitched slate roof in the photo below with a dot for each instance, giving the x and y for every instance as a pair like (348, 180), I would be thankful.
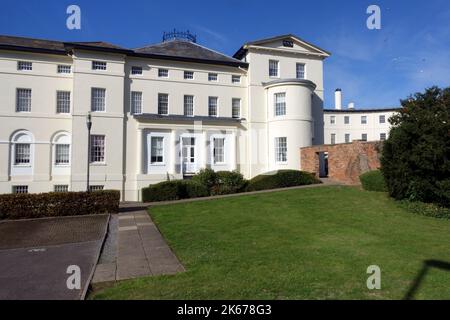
(185, 50)
(178, 50)
(56, 47)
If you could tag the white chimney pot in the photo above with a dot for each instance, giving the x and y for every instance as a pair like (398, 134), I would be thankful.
(338, 99)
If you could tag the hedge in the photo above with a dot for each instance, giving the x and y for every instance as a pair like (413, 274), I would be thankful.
(56, 204)
(173, 190)
(373, 181)
(281, 179)
(228, 182)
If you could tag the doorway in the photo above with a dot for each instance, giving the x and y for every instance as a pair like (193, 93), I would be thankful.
(188, 161)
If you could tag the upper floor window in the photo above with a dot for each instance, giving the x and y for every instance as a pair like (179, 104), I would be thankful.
(236, 108)
(382, 118)
(212, 106)
(98, 65)
(212, 76)
(97, 148)
(135, 70)
(62, 68)
(333, 138)
(235, 79)
(218, 151)
(136, 102)
(189, 75)
(24, 66)
(156, 150)
(98, 97)
(273, 68)
(382, 136)
(23, 100)
(332, 119)
(280, 104)
(364, 137)
(281, 149)
(163, 73)
(163, 103)
(346, 119)
(62, 101)
(189, 105)
(363, 119)
(300, 70)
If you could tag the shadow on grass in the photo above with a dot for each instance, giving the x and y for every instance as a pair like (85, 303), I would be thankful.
(427, 265)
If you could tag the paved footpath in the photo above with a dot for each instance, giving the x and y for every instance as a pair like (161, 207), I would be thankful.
(140, 249)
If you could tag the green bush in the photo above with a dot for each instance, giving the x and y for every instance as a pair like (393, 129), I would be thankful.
(415, 160)
(373, 181)
(173, 190)
(206, 177)
(228, 182)
(281, 179)
(426, 209)
(55, 204)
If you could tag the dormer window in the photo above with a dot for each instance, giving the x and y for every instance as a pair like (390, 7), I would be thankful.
(99, 65)
(135, 70)
(212, 76)
(163, 73)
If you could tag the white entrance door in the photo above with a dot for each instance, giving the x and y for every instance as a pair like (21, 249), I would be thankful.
(188, 155)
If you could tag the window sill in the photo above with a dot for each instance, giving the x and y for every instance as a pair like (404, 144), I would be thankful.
(22, 165)
(99, 164)
(159, 164)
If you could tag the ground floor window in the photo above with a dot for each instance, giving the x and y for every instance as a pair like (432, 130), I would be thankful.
(157, 150)
(97, 148)
(62, 154)
(281, 149)
(22, 153)
(333, 138)
(96, 188)
(382, 136)
(61, 188)
(20, 189)
(347, 137)
(219, 150)
(364, 137)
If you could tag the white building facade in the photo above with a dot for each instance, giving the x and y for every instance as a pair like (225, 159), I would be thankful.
(345, 125)
(158, 112)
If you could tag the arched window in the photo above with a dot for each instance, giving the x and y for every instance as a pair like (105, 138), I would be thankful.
(22, 153)
(61, 149)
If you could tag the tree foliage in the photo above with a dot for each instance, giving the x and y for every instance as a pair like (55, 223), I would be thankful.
(416, 157)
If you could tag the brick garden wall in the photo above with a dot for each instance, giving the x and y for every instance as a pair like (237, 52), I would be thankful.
(346, 161)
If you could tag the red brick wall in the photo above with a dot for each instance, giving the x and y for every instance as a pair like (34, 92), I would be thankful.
(346, 161)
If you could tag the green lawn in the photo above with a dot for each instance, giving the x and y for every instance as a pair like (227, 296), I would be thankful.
(311, 243)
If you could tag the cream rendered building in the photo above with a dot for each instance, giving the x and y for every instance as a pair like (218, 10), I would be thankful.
(159, 112)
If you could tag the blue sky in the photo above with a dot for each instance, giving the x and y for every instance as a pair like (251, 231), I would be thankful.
(374, 68)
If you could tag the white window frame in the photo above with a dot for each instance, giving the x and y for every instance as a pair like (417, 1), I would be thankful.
(235, 78)
(279, 106)
(332, 119)
(22, 91)
(362, 136)
(279, 150)
(383, 134)
(333, 138)
(161, 95)
(65, 188)
(97, 187)
(61, 99)
(24, 66)
(273, 62)
(185, 105)
(103, 105)
(134, 70)
(24, 155)
(188, 72)
(15, 189)
(238, 100)
(210, 99)
(382, 116)
(297, 70)
(64, 69)
(136, 108)
(214, 154)
(62, 164)
(157, 163)
(349, 138)
(91, 154)
(363, 119)
(346, 119)
(163, 73)
(98, 65)
(213, 77)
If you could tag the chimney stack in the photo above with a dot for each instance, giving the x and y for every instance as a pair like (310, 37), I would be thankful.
(351, 106)
(338, 99)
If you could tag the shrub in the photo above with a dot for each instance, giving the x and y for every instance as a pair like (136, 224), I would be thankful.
(229, 182)
(174, 190)
(426, 209)
(373, 181)
(281, 179)
(55, 204)
(206, 177)
(415, 159)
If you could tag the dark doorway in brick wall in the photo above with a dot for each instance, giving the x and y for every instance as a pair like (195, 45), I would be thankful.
(322, 157)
